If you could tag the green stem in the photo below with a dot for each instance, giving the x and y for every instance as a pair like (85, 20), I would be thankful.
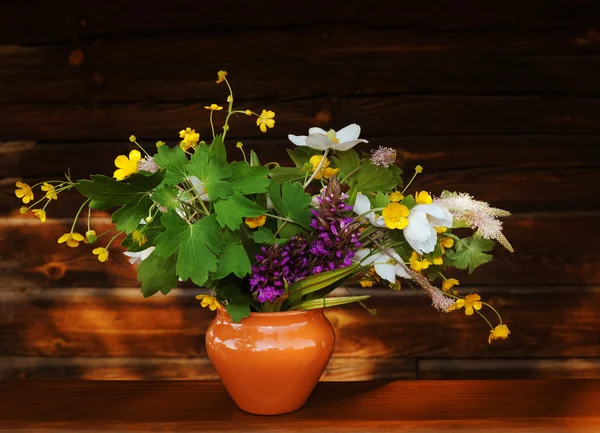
(212, 126)
(279, 218)
(494, 310)
(113, 238)
(89, 217)
(349, 174)
(411, 181)
(78, 212)
(280, 228)
(485, 318)
(142, 149)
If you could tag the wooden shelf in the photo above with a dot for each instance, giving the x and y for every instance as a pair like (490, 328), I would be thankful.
(415, 406)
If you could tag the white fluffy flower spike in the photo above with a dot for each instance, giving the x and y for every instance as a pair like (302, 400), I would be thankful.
(319, 139)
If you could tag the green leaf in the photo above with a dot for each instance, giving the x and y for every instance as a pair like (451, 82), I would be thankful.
(263, 235)
(175, 162)
(254, 161)
(381, 200)
(150, 231)
(233, 209)
(397, 174)
(347, 162)
(460, 224)
(249, 180)
(217, 148)
(106, 192)
(330, 302)
(292, 202)
(373, 179)
(212, 172)
(128, 217)
(238, 309)
(319, 281)
(157, 274)
(302, 155)
(233, 260)
(470, 253)
(284, 174)
(166, 196)
(409, 201)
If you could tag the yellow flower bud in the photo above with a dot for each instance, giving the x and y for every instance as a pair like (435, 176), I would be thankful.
(149, 219)
(248, 113)
(229, 98)
(221, 76)
(239, 145)
(159, 144)
(23, 210)
(419, 169)
(132, 138)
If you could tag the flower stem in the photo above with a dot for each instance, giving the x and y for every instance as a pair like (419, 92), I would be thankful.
(317, 170)
(112, 239)
(485, 318)
(287, 220)
(142, 149)
(212, 126)
(349, 174)
(411, 181)
(78, 212)
(494, 310)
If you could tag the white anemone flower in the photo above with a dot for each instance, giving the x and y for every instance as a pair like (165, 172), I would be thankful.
(319, 139)
(423, 219)
(362, 206)
(385, 263)
(139, 257)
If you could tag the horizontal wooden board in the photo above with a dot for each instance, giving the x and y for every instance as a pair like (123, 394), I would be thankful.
(544, 322)
(70, 21)
(507, 368)
(390, 115)
(90, 368)
(550, 249)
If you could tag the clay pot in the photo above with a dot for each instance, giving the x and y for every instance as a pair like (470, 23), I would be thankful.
(270, 362)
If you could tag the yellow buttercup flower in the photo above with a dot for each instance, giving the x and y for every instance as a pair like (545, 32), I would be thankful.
(50, 191)
(265, 120)
(451, 308)
(40, 213)
(102, 254)
(446, 243)
(138, 237)
(423, 197)
(395, 216)
(256, 221)
(127, 166)
(396, 196)
(441, 229)
(24, 192)
(72, 239)
(160, 144)
(329, 172)
(417, 264)
(209, 301)
(315, 160)
(366, 283)
(449, 283)
(500, 332)
(438, 261)
(470, 303)
(221, 76)
(213, 107)
(189, 138)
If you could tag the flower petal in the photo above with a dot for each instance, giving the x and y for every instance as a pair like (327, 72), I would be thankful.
(419, 233)
(316, 130)
(387, 271)
(121, 161)
(298, 140)
(349, 133)
(319, 142)
(361, 204)
(439, 216)
(348, 144)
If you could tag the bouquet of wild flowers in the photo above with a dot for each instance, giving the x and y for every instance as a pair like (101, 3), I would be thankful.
(253, 234)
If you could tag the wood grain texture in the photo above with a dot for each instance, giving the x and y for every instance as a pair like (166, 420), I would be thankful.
(540, 406)
(120, 323)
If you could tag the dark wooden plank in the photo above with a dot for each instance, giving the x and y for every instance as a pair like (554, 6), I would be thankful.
(68, 20)
(114, 368)
(506, 368)
(544, 321)
(524, 406)
(386, 115)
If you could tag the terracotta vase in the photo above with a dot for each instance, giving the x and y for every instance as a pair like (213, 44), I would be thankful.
(270, 362)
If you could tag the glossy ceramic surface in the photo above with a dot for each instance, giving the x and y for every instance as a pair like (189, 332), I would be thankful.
(270, 362)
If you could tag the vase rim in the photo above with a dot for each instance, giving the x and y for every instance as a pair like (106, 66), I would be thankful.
(276, 313)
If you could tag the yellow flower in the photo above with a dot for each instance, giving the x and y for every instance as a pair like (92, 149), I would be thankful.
(446, 243)
(438, 261)
(239, 145)
(160, 143)
(189, 138)
(315, 160)
(470, 302)
(248, 113)
(40, 213)
(395, 216)
(90, 236)
(441, 229)
(126, 166)
(416, 264)
(209, 301)
(423, 197)
(221, 76)
(132, 138)
(500, 332)
(50, 191)
(138, 237)
(449, 283)
(366, 283)
(326, 171)
(452, 308)
(102, 254)
(265, 120)
(396, 196)
(329, 172)
(24, 192)
(256, 221)
(23, 210)
(213, 107)
(72, 239)
(419, 169)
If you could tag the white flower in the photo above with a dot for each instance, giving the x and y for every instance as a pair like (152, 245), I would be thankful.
(319, 139)
(387, 263)
(139, 257)
(362, 205)
(199, 188)
(420, 232)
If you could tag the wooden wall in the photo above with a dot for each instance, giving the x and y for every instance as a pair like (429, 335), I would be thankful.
(500, 99)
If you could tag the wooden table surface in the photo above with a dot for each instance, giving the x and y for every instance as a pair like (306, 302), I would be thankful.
(414, 406)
